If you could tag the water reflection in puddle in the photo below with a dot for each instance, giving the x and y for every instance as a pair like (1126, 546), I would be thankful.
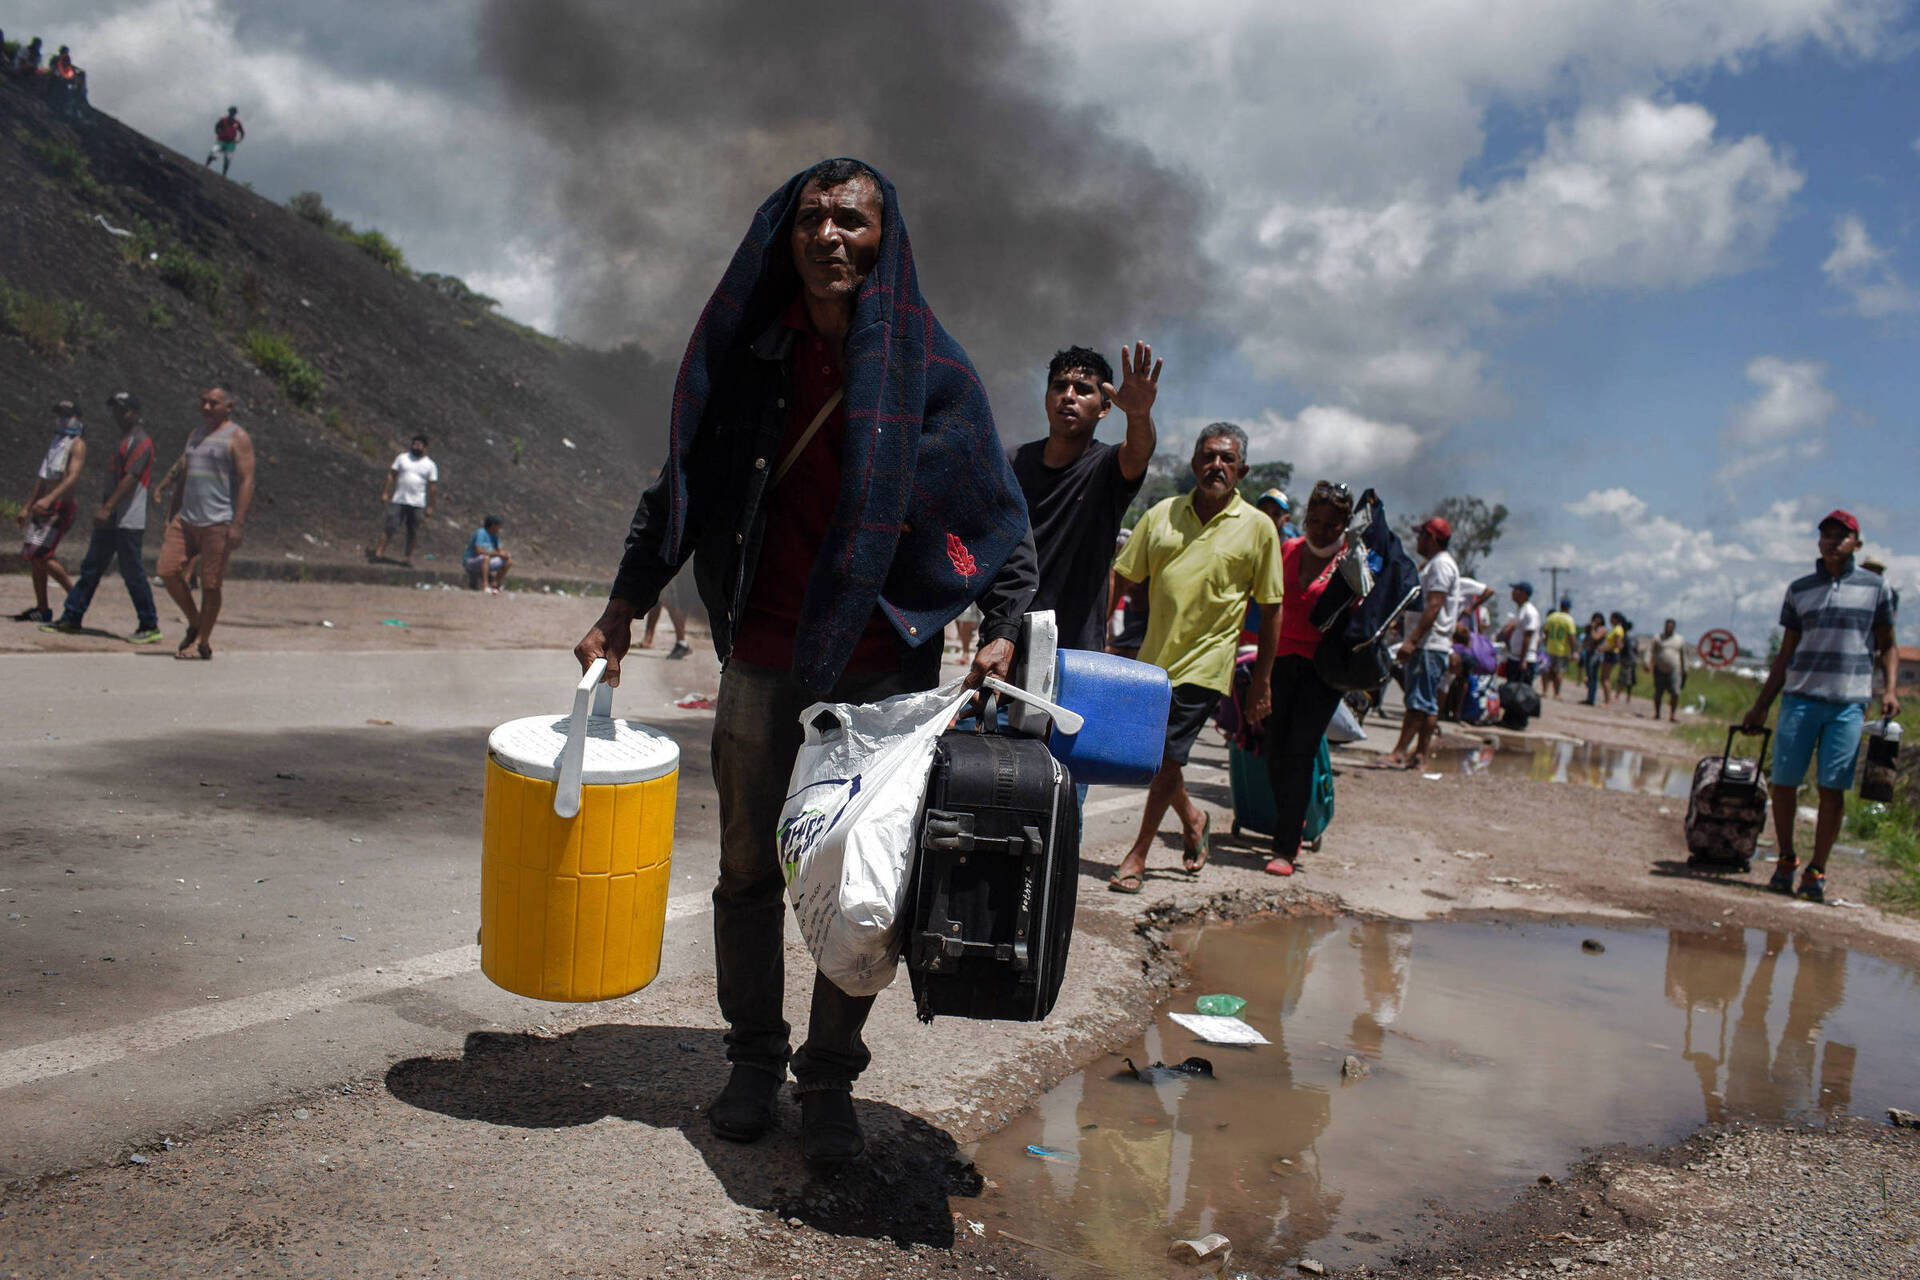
(1497, 1053)
(1614, 768)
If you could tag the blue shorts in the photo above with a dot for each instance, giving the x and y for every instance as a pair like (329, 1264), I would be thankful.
(1834, 726)
(1425, 669)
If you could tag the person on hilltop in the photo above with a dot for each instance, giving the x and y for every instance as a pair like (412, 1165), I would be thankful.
(1078, 489)
(408, 494)
(26, 63)
(1836, 625)
(49, 510)
(1667, 661)
(206, 518)
(227, 135)
(1202, 553)
(485, 560)
(1560, 638)
(1428, 644)
(835, 467)
(119, 527)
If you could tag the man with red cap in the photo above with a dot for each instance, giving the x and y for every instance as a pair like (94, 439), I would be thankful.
(1835, 624)
(1429, 643)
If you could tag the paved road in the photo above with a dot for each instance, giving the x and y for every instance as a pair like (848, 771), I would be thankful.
(226, 883)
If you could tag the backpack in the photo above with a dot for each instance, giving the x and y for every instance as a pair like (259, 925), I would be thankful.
(1353, 651)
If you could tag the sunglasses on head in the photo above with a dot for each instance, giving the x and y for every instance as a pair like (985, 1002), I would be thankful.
(1333, 492)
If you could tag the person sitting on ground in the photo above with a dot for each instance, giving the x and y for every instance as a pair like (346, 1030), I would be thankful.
(1303, 704)
(1473, 655)
(1667, 660)
(227, 134)
(676, 612)
(1428, 644)
(1204, 553)
(26, 63)
(1836, 625)
(411, 486)
(1560, 638)
(207, 519)
(1521, 634)
(484, 559)
(119, 527)
(49, 510)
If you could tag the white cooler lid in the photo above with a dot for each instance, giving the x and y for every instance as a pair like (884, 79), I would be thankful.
(617, 751)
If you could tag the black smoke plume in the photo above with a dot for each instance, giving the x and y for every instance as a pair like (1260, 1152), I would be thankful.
(1033, 226)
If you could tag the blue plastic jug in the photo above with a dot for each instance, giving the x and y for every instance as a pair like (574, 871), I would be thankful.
(1125, 704)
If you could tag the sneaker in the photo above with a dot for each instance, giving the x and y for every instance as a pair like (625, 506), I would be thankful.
(63, 627)
(1813, 885)
(34, 615)
(1782, 881)
(146, 635)
(680, 649)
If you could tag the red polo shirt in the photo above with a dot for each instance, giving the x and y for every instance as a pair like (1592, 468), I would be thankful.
(799, 513)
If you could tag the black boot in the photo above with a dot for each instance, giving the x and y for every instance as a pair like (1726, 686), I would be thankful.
(829, 1130)
(744, 1109)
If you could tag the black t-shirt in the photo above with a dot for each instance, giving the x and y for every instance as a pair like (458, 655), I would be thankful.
(1076, 512)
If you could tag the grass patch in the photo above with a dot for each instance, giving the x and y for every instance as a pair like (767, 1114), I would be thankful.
(275, 356)
(194, 276)
(160, 316)
(51, 326)
(1722, 698)
(68, 163)
(362, 440)
(9, 509)
(528, 331)
(376, 246)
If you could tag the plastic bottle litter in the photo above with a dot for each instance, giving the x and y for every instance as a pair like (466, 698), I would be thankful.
(1048, 1153)
(1219, 1005)
(392, 622)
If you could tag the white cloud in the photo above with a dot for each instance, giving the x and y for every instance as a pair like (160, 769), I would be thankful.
(1324, 440)
(1609, 502)
(1863, 271)
(1786, 419)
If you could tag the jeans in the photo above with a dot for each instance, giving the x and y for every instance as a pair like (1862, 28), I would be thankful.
(107, 544)
(756, 735)
(1303, 705)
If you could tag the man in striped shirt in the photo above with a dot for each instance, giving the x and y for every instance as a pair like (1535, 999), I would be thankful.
(1835, 624)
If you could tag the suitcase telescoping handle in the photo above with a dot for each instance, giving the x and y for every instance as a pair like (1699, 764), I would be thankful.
(592, 693)
(1766, 737)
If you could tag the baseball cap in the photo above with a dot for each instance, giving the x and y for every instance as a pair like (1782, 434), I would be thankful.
(1842, 517)
(1566, 604)
(1522, 585)
(1438, 527)
(124, 400)
(1276, 496)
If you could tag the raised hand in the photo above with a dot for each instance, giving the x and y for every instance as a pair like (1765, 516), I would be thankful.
(1138, 387)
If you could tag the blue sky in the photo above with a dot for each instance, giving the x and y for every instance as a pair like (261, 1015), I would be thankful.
(1644, 271)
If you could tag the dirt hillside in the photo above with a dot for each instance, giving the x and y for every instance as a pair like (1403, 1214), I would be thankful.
(211, 283)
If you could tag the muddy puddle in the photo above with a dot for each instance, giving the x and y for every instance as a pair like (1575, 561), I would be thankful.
(1583, 764)
(1494, 1052)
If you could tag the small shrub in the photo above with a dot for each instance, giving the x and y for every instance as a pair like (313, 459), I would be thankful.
(382, 250)
(69, 163)
(516, 450)
(274, 355)
(160, 316)
(309, 206)
(193, 276)
(50, 326)
(454, 289)
(9, 509)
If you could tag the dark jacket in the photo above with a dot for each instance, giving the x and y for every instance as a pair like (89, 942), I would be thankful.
(928, 518)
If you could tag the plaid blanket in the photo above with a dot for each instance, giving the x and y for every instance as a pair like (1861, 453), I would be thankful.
(928, 509)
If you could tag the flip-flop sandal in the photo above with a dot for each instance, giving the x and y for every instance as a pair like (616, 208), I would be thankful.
(1119, 883)
(1193, 858)
(186, 641)
(1280, 867)
(201, 654)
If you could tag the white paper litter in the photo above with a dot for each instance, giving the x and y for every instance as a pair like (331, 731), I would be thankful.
(1215, 1029)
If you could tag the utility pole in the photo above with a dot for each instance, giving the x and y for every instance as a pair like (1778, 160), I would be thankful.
(1555, 570)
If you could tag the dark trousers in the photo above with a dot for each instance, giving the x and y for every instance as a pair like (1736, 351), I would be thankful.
(106, 546)
(1303, 706)
(756, 735)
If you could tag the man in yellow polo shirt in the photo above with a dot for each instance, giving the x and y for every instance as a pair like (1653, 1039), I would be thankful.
(1202, 555)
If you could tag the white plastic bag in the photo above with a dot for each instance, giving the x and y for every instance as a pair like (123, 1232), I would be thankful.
(845, 838)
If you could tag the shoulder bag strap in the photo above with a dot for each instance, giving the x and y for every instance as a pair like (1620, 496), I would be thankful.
(806, 437)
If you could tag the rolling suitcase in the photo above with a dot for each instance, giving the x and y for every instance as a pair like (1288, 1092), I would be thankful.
(990, 909)
(1727, 806)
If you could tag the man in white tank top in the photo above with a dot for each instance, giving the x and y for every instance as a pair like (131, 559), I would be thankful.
(205, 517)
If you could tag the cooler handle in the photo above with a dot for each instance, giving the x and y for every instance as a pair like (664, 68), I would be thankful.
(591, 697)
(1068, 722)
(1766, 737)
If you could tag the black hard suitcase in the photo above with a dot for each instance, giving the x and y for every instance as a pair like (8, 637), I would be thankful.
(995, 881)
(1727, 806)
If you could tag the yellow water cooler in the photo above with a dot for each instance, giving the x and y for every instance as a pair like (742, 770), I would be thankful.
(576, 851)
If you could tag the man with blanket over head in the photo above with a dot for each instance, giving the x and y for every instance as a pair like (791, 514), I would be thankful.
(834, 463)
